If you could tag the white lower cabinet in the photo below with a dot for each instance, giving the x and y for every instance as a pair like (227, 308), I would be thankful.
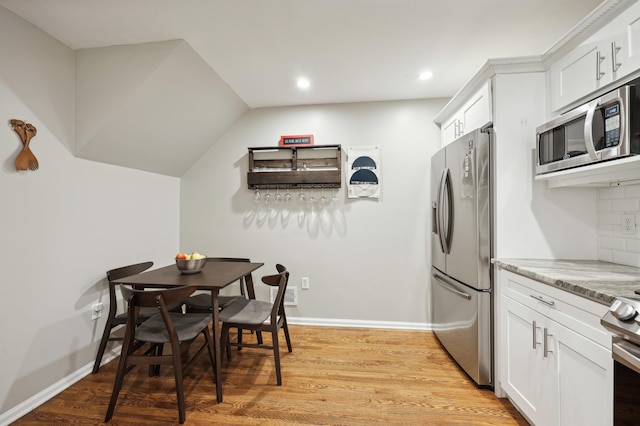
(549, 369)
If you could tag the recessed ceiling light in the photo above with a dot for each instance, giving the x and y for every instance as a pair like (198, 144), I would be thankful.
(303, 83)
(425, 75)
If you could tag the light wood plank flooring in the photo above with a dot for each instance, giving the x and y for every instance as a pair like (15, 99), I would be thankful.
(335, 376)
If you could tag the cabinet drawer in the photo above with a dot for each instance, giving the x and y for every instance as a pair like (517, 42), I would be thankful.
(572, 311)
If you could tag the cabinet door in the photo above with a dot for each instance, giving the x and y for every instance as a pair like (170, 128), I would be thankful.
(521, 368)
(449, 131)
(625, 42)
(476, 112)
(584, 376)
(581, 72)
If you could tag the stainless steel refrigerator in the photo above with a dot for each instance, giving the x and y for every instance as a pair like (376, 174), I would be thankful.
(461, 250)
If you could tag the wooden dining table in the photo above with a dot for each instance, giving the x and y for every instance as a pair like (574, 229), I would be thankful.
(215, 276)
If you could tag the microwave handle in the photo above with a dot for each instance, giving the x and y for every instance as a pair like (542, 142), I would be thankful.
(588, 125)
(588, 129)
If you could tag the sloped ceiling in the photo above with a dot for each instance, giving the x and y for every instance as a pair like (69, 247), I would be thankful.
(153, 106)
(159, 81)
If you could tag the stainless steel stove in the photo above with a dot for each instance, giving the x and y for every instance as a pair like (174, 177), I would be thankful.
(623, 320)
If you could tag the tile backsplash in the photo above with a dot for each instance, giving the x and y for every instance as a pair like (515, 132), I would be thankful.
(615, 206)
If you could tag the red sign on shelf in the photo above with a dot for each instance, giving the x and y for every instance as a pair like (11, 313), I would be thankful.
(296, 140)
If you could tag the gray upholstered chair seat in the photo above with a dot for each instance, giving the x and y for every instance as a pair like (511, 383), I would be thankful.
(202, 302)
(188, 327)
(246, 311)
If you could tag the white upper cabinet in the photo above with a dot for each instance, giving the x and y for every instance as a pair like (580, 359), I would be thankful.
(474, 113)
(599, 63)
(625, 43)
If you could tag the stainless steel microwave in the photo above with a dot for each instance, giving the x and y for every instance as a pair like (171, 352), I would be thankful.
(603, 129)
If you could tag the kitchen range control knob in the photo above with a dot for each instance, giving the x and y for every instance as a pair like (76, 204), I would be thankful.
(621, 310)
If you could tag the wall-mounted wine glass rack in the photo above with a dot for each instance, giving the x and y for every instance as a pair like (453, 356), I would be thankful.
(317, 166)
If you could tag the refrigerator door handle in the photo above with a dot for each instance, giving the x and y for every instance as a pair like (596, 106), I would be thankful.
(445, 284)
(445, 224)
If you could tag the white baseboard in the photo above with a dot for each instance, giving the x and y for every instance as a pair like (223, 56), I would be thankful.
(41, 397)
(395, 325)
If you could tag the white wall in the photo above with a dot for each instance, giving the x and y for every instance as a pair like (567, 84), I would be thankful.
(613, 244)
(533, 221)
(62, 226)
(371, 265)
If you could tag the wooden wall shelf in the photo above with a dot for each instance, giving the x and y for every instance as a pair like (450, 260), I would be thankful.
(317, 166)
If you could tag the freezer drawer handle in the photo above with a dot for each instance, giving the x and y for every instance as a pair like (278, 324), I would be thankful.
(540, 299)
(446, 286)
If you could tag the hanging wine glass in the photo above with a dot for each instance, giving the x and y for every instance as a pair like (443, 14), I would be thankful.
(301, 212)
(286, 211)
(325, 216)
(312, 202)
(267, 198)
(256, 196)
(324, 201)
(278, 197)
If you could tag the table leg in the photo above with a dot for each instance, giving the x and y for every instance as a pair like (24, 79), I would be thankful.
(216, 344)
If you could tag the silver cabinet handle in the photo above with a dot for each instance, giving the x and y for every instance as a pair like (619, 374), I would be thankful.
(535, 335)
(614, 57)
(546, 302)
(599, 59)
(545, 346)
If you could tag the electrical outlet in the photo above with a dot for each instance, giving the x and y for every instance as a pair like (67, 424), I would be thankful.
(304, 283)
(628, 224)
(96, 311)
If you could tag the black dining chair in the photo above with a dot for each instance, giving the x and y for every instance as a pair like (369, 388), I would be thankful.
(174, 328)
(259, 316)
(114, 319)
(202, 302)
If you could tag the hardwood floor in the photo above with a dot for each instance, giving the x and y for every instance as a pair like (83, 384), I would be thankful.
(335, 376)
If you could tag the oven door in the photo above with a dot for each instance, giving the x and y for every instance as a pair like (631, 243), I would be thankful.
(626, 382)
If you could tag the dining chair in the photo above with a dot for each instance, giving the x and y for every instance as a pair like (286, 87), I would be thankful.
(202, 302)
(259, 316)
(174, 328)
(114, 319)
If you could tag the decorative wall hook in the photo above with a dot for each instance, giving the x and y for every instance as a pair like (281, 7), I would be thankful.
(25, 159)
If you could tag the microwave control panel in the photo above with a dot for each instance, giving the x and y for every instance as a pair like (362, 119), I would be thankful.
(612, 125)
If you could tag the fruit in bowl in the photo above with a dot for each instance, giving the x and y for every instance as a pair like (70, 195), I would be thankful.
(190, 263)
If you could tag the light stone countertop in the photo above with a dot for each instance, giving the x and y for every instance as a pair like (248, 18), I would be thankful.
(599, 281)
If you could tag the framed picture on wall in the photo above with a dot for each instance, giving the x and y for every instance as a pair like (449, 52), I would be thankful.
(296, 140)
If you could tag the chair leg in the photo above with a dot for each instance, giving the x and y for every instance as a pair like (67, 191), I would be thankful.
(117, 385)
(286, 334)
(276, 356)
(154, 370)
(177, 372)
(103, 345)
(209, 342)
(224, 340)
